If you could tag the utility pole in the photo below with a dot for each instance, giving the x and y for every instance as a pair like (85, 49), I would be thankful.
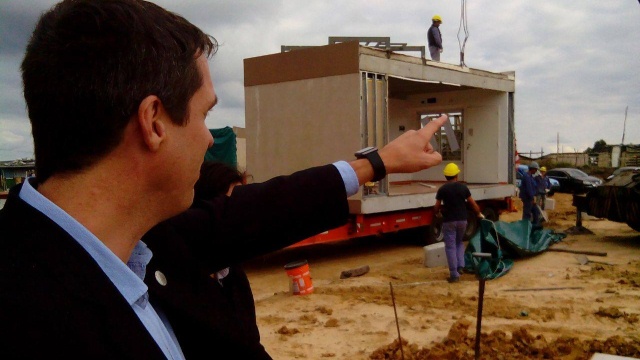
(558, 143)
(624, 126)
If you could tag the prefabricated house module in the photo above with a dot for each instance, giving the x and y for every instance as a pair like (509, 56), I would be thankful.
(316, 105)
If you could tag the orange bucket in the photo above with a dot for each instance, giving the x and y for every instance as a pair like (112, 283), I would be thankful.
(300, 277)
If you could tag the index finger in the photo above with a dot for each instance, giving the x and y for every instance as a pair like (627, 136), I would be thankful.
(430, 128)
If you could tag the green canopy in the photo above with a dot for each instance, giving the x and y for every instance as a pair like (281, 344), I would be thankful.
(506, 241)
(224, 146)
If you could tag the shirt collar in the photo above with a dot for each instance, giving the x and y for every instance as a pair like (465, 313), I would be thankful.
(127, 278)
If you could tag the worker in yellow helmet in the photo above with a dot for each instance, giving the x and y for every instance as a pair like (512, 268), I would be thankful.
(453, 198)
(434, 38)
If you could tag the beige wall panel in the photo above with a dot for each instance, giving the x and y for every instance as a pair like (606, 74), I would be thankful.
(482, 148)
(241, 153)
(299, 124)
(241, 147)
(401, 113)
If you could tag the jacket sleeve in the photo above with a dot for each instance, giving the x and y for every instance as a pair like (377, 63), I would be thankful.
(528, 186)
(260, 218)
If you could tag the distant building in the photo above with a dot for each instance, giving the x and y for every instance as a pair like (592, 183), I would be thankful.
(15, 172)
(575, 159)
(613, 156)
(619, 155)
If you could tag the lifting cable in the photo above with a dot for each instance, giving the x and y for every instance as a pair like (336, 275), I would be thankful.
(463, 25)
(500, 267)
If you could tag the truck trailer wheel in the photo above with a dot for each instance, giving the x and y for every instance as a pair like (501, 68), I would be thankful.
(490, 213)
(472, 225)
(434, 233)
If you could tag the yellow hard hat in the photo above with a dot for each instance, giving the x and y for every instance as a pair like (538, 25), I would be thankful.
(451, 170)
(543, 168)
(436, 18)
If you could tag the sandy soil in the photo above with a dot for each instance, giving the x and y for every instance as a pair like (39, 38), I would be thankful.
(596, 309)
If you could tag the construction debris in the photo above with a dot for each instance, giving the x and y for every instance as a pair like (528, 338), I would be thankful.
(354, 272)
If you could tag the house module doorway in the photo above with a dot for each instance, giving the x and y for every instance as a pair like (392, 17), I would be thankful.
(449, 140)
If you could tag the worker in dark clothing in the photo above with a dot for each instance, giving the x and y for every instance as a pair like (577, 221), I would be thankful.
(434, 38)
(528, 191)
(543, 185)
(453, 198)
(223, 308)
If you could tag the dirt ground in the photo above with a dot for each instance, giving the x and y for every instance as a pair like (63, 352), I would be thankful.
(561, 309)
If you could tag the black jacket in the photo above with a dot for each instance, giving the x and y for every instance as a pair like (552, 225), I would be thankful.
(56, 301)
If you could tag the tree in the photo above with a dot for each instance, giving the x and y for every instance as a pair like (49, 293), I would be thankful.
(598, 147)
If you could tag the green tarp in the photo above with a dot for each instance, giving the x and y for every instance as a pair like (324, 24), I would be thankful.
(224, 147)
(506, 241)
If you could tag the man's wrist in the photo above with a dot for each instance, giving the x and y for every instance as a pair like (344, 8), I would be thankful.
(371, 154)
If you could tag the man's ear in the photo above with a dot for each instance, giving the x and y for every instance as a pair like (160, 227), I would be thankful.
(151, 117)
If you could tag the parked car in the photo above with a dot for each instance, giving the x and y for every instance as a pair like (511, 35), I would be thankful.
(620, 170)
(522, 169)
(555, 186)
(574, 181)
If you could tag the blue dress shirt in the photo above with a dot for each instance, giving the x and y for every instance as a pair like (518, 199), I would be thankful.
(127, 278)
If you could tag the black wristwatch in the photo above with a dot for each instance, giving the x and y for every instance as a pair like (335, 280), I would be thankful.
(371, 153)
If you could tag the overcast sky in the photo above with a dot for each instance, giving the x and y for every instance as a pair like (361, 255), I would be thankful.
(577, 63)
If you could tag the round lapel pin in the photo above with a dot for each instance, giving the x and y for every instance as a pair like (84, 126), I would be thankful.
(162, 280)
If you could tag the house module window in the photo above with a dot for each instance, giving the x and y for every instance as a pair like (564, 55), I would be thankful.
(443, 140)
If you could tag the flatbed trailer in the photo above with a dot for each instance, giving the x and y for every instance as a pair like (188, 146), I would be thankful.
(493, 200)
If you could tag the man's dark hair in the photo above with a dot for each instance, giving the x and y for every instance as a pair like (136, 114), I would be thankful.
(89, 64)
(215, 179)
(450, 177)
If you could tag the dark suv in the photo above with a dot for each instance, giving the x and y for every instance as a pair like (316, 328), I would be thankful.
(574, 181)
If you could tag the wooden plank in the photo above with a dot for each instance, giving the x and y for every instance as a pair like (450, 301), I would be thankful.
(594, 253)
(549, 288)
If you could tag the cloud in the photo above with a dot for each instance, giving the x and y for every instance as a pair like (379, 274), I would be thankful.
(15, 139)
(575, 62)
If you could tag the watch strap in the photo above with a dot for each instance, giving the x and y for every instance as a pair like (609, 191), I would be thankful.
(379, 171)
